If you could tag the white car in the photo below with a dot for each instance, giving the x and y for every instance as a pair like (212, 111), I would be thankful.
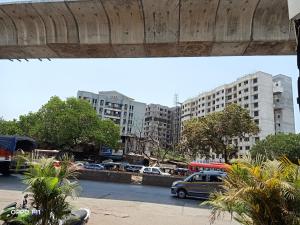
(153, 170)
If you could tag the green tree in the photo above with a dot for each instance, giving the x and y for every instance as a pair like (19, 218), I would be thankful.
(9, 127)
(28, 124)
(65, 124)
(260, 192)
(50, 186)
(216, 131)
(275, 146)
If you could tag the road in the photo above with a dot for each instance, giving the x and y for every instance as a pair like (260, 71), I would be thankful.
(124, 204)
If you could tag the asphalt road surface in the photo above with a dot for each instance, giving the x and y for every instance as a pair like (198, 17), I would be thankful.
(122, 204)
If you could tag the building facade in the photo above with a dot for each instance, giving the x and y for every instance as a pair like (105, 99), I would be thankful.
(162, 126)
(268, 99)
(124, 111)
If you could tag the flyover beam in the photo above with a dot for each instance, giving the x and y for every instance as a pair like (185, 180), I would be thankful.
(144, 28)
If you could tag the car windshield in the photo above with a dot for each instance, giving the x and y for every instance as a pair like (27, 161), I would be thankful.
(189, 177)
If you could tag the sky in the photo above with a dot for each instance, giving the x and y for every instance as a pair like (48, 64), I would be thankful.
(26, 86)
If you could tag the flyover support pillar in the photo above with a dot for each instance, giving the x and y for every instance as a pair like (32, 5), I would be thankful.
(297, 28)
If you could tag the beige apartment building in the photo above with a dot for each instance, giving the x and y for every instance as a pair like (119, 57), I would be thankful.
(268, 98)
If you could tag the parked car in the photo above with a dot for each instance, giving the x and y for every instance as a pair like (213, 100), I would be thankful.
(153, 170)
(181, 171)
(94, 166)
(199, 184)
(111, 166)
(133, 168)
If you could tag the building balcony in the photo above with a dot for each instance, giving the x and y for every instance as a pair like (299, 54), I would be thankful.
(112, 116)
(277, 89)
(113, 108)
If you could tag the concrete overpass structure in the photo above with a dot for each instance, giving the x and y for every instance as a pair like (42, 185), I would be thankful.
(144, 28)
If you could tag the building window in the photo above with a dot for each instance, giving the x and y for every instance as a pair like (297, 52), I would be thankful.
(246, 139)
(278, 116)
(255, 113)
(257, 122)
(277, 100)
(256, 139)
(245, 82)
(246, 98)
(246, 106)
(247, 148)
(246, 90)
(256, 105)
(254, 80)
(255, 96)
(240, 84)
(229, 97)
(255, 88)
(241, 147)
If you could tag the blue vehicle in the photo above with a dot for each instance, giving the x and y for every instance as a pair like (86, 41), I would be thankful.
(9, 145)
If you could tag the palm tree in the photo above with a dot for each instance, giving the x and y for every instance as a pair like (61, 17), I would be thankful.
(50, 186)
(259, 192)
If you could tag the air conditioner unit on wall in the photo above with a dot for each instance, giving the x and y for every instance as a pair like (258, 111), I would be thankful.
(294, 9)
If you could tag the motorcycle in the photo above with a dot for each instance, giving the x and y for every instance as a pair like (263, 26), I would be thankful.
(14, 214)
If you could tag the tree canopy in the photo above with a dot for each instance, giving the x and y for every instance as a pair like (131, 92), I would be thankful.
(216, 131)
(276, 146)
(9, 127)
(65, 124)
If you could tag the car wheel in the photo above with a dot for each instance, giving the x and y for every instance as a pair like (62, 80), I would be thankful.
(181, 193)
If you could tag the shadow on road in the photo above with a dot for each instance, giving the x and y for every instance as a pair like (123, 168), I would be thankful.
(114, 191)
(12, 183)
(134, 192)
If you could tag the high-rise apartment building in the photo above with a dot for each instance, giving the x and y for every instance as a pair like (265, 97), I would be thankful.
(124, 111)
(268, 99)
(162, 126)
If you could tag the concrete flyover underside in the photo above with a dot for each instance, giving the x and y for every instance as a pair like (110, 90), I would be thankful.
(144, 28)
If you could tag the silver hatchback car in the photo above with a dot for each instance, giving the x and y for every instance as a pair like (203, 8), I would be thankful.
(199, 184)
